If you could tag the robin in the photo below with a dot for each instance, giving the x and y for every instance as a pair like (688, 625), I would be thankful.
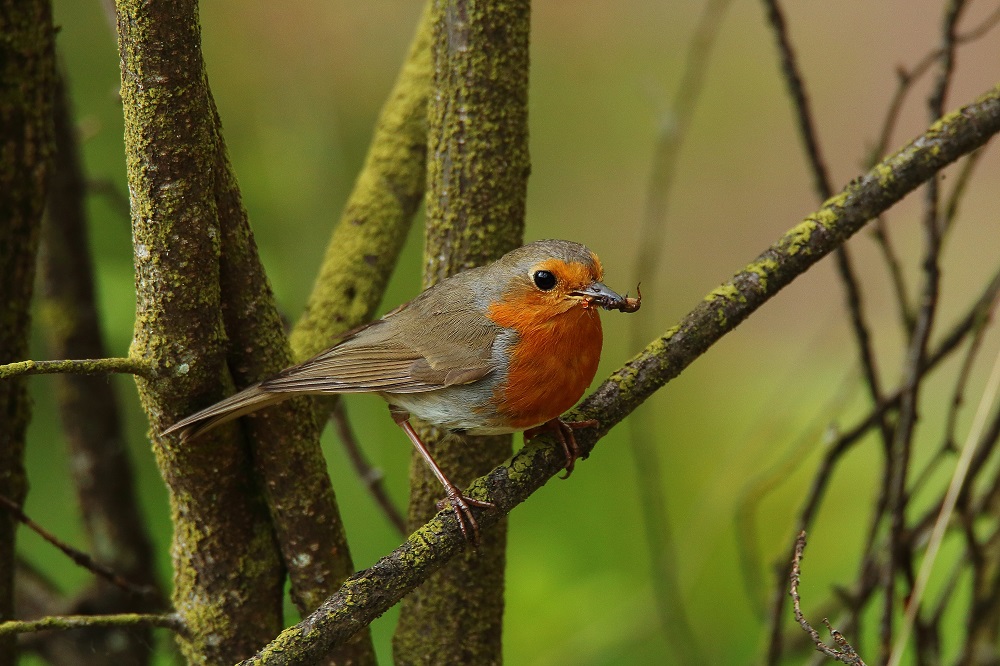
(496, 349)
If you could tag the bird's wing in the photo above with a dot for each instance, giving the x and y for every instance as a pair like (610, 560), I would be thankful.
(419, 347)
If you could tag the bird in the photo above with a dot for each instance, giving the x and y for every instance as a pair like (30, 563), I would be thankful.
(505, 347)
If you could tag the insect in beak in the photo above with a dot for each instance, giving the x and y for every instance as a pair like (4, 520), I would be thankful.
(600, 295)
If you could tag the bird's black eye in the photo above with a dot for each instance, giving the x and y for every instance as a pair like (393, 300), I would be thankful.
(544, 280)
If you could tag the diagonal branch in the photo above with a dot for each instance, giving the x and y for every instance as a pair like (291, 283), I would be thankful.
(370, 593)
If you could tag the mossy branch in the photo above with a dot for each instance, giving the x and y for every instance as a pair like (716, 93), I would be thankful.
(370, 593)
(170, 621)
(89, 366)
(27, 70)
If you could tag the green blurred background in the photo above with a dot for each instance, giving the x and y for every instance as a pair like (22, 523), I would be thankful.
(299, 84)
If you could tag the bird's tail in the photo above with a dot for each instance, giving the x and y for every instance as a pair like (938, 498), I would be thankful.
(248, 400)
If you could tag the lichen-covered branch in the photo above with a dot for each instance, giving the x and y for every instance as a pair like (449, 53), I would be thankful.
(370, 593)
(27, 73)
(67, 622)
(89, 366)
(227, 572)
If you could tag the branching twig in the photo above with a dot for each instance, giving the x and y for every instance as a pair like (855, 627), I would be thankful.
(958, 480)
(979, 310)
(961, 182)
(824, 189)
(845, 270)
(845, 654)
(906, 78)
(370, 476)
(78, 556)
(898, 462)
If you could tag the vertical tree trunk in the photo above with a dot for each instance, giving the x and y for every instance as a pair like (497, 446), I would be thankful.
(27, 73)
(227, 571)
(476, 186)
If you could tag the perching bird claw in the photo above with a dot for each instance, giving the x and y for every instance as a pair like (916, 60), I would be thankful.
(563, 431)
(460, 504)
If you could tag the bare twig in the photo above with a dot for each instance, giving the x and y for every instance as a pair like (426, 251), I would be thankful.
(370, 476)
(899, 459)
(972, 321)
(958, 396)
(958, 479)
(845, 654)
(961, 182)
(852, 289)
(79, 557)
(905, 80)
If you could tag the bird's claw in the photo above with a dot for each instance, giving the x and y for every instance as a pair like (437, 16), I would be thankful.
(461, 505)
(563, 431)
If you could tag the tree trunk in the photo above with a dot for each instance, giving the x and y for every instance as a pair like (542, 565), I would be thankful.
(27, 75)
(477, 177)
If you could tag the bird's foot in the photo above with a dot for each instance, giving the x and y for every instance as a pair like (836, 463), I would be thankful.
(461, 505)
(563, 431)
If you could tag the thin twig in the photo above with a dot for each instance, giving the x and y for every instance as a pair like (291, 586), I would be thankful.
(852, 289)
(880, 233)
(961, 182)
(944, 517)
(957, 399)
(845, 654)
(369, 475)
(821, 178)
(98, 366)
(78, 556)
(64, 622)
(899, 459)
(979, 311)
(905, 80)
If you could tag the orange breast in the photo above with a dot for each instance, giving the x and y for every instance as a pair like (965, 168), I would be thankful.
(552, 364)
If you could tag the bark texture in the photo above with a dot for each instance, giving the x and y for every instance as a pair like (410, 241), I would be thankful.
(27, 75)
(227, 571)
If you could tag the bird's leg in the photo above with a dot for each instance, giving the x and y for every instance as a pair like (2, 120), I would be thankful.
(459, 502)
(563, 431)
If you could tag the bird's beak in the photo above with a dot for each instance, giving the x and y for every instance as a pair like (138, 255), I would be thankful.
(599, 294)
